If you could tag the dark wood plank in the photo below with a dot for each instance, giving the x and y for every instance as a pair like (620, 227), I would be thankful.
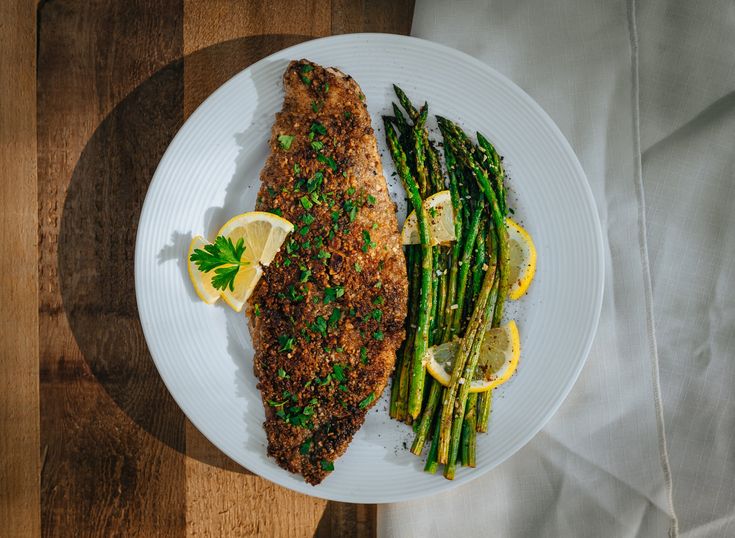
(19, 404)
(109, 102)
(116, 81)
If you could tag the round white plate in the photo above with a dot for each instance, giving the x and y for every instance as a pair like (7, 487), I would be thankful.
(210, 172)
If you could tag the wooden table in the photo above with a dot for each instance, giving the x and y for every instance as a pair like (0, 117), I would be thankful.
(91, 93)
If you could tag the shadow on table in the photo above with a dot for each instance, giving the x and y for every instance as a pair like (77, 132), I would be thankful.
(99, 222)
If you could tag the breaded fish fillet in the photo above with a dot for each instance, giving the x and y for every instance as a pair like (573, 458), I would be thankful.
(327, 316)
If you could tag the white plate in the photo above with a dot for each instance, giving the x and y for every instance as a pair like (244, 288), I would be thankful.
(210, 172)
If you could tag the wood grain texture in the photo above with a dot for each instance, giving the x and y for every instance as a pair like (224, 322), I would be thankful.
(19, 401)
(109, 102)
(116, 80)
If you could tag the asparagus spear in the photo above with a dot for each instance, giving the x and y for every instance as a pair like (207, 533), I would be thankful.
(494, 165)
(484, 406)
(427, 417)
(468, 355)
(418, 371)
(406, 103)
(469, 435)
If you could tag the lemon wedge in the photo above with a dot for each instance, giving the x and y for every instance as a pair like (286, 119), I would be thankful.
(441, 221)
(262, 235)
(522, 259)
(499, 356)
(202, 281)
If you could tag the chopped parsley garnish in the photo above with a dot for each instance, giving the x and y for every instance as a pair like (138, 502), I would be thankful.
(363, 355)
(377, 314)
(335, 317)
(292, 246)
(286, 342)
(348, 114)
(282, 374)
(315, 106)
(331, 163)
(306, 68)
(305, 274)
(224, 257)
(371, 199)
(306, 80)
(256, 310)
(304, 230)
(276, 211)
(379, 300)
(319, 325)
(378, 335)
(350, 191)
(370, 398)
(305, 447)
(317, 145)
(367, 242)
(321, 382)
(296, 168)
(306, 203)
(350, 208)
(323, 255)
(325, 87)
(332, 294)
(285, 141)
(307, 218)
(293, 295)
(327, 465)
(338, 372)
(358, 267)
(315, 182)
(318, 128)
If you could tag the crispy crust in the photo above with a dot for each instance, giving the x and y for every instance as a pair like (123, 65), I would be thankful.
(330, 373)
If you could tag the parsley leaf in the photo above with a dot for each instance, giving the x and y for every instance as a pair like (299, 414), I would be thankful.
(367, 242)
(318, 128)
(332, 294)
(327, 465)
(224, 257)
(331, 163)
(285, 141)
(286, 342)
(370, 398)
(319, 326)
(335, 317)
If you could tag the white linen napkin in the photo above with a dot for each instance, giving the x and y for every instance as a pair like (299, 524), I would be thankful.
(600, 467)
(687, 103)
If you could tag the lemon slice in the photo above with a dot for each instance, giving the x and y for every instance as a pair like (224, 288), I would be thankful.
(262, 232)
(262, 235)
(499, 355)
(202, 281)
(522, 259)
(441, 221)
(245, 281)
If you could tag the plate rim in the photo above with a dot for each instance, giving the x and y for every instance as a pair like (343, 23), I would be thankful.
(442, 485)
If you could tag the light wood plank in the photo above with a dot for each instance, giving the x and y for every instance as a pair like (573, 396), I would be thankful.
(19, 400)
